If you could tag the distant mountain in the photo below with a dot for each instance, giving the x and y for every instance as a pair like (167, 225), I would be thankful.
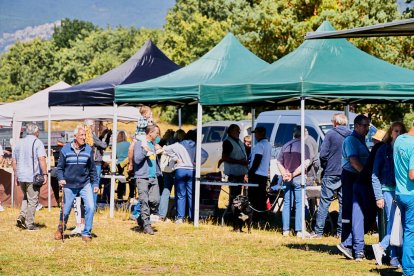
(19, 14)
(44, 31)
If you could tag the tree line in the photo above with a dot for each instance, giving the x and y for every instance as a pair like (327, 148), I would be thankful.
(79, 51)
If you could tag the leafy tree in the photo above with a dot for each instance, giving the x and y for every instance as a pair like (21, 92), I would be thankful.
(71, 30)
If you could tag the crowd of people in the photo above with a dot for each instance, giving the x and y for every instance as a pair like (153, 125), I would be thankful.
(363, 180)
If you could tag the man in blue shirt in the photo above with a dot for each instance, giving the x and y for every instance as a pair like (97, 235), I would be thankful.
(146, 170)
(355, 155)
(76, 171)
(404, 194)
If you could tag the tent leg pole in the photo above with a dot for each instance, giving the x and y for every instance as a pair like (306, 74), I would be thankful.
(198, 166)
(49, 152)
(253, 111)
(302, 161)
(113, 161)
(179, 118)
(347, 113)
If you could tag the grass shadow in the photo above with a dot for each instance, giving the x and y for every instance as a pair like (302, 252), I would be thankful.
(322, 248)
(386, 271)
(140, 229)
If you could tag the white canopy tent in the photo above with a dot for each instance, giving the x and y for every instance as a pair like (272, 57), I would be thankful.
(36, 108)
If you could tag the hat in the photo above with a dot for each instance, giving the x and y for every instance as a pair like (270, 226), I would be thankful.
(379, 135)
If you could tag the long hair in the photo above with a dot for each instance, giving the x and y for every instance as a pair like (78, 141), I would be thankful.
(122, 136)
(388, 137)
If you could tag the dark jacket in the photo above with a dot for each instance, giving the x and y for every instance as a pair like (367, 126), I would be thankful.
(77, 170)
(331, 150)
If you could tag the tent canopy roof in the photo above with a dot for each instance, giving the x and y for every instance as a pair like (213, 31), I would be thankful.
(322, 70)
(35, 108)
(148, 63)
(228, 62)
(396, 28)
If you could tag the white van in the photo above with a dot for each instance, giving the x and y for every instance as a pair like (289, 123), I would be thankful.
(279, 125)
(213, 135)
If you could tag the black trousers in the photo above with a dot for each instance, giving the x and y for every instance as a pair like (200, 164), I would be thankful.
(257, 196)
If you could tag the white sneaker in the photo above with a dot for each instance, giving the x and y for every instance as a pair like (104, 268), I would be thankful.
(154, 218)
(305, 234)
(1, 208)
(78, 230)
(286, 233)
(179, 221)
(378, 252)
(39, 206)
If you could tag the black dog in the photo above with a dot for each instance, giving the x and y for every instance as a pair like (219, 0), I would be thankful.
(242, 213)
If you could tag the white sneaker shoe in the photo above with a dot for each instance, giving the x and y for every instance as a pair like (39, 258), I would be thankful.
(154, 218)
(286, 233)
(39, 206)
(305, 234)
(78, 230)
(1, 208)
(378, 252)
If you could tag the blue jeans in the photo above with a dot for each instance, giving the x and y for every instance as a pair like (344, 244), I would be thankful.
(166, 192)
(86, 194)
(330, 185)
(98, 172)
(293, 193)
(348, 179)
(406, 205)
(389, 212)
(184, 181)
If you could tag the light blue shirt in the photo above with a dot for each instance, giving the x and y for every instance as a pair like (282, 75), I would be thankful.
(22, 153)
(403, 163)
(354, 146)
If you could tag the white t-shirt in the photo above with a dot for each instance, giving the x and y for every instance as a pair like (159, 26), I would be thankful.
(264, 148)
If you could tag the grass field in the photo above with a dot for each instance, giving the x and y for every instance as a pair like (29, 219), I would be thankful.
(175, 249)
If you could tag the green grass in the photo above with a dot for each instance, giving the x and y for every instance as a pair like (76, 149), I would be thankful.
(174, 249)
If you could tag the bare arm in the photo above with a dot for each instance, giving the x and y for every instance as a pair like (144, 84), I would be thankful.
(411, 175)
(356, 164)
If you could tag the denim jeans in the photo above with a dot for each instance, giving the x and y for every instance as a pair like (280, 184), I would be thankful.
(406, 205)
(348, 179)
(184, 182)
(330, 185)
(166, 192)
(98, 173)
(86, 194)
(293, 193)
(390, 206)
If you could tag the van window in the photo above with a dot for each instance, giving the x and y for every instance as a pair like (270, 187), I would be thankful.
(268, 127)
(216, 134)
(204, 133)
(312, 132)
(284, 134)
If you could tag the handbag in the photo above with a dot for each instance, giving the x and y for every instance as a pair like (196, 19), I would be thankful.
(166, 164)
(397, 229)
(38, 179)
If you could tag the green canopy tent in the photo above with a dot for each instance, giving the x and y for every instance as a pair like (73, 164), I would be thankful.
(228, 62)
(324, 71)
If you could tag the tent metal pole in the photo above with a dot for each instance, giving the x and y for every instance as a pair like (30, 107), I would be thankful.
(49, 151)
(198, 165)
(253, 111)
(179, 118)
(347, 114)
(113, 161)
(302, 161)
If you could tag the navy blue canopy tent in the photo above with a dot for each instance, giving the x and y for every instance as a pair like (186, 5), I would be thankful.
(148, 63)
